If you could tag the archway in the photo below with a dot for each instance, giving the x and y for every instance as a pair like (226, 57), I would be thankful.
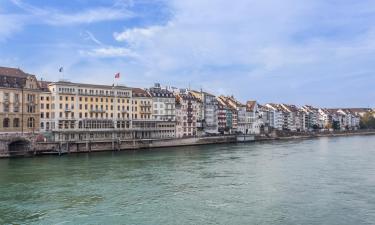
(18, 147)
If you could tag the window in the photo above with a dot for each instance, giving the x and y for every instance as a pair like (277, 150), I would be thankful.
(16, 98)
(30, 122)
(6, 97)
(6, 122)
(16, 122)
(6, 107)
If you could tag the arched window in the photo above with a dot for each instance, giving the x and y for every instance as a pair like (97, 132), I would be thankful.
(16, 122)
(47, 126)
(6, 122)
(30, 122)
(42, 125)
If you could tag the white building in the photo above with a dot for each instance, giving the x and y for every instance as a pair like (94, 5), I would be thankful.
(253, 121)
(208, 112)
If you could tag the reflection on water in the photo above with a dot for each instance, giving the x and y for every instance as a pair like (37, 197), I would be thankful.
(318, 181)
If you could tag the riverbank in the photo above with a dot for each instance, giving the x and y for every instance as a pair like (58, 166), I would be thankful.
(25, 147)
(316, 135)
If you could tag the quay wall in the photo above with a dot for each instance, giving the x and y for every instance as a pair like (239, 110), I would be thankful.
(28, 147)
(116, 145)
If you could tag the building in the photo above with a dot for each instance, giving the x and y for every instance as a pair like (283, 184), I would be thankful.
(311, 117)
(90, 112)
(280, 117)
(19, 101)
(296, 117)
(224, 123)
(143, 124)
(267, 117)
(240, 123)
(46, 121)
(208, 111)
(164, 110)
(187, 108)
(253, 121)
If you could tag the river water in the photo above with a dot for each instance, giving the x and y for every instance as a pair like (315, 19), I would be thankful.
(316, 181)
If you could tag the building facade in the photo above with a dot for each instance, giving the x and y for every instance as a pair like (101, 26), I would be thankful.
(208, 111)
(19, 101)
(187, 108)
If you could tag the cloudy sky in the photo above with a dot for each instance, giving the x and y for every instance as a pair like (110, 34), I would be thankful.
(319, 52)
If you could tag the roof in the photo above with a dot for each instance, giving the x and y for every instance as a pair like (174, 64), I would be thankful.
(290, 108)
(201, 92)
(13, 77)
(44, 85)
(159, 92)
(188, 96)
(275, 106)
(12, 72)
(68, 83)
(250, 105)
(139, 92)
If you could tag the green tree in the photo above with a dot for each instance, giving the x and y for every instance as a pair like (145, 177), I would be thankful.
(336, 125)
(367, 121)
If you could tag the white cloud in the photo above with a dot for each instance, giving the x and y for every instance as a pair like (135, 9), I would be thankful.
(88, 16)
(109, 52)
(250, 41)
(137, 34)
(11, 24)
(55, 17)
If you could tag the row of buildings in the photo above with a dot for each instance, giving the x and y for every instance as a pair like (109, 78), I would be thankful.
(67, 111)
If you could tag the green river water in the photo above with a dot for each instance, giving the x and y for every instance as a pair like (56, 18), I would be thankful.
(317, 181)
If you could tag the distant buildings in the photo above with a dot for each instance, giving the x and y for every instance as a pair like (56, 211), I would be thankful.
(67, 111)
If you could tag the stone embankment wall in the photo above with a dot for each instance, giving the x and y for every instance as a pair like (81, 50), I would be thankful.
(115, 145)
(22, 146)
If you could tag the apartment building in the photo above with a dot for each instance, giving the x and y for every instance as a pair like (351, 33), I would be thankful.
(164, 110)
(209, 119)
(187, 114)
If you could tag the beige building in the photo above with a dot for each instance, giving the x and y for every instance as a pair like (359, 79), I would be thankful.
(19, 101)
(87, 112)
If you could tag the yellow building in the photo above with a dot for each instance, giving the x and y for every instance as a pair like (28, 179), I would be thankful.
(89, 112)
(19, 101)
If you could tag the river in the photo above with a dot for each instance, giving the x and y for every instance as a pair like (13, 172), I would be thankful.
(316, 181)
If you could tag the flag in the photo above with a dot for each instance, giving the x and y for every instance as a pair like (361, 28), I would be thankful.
(117, 76)
(61, 69)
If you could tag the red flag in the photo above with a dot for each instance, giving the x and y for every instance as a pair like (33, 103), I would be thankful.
(117, 76)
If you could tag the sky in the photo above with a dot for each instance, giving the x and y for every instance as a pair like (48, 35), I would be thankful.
(316, 52)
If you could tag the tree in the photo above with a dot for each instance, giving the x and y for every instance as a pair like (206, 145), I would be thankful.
(367, 121)
(336, 125)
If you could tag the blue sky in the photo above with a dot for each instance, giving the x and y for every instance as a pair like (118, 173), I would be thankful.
(319, 52)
